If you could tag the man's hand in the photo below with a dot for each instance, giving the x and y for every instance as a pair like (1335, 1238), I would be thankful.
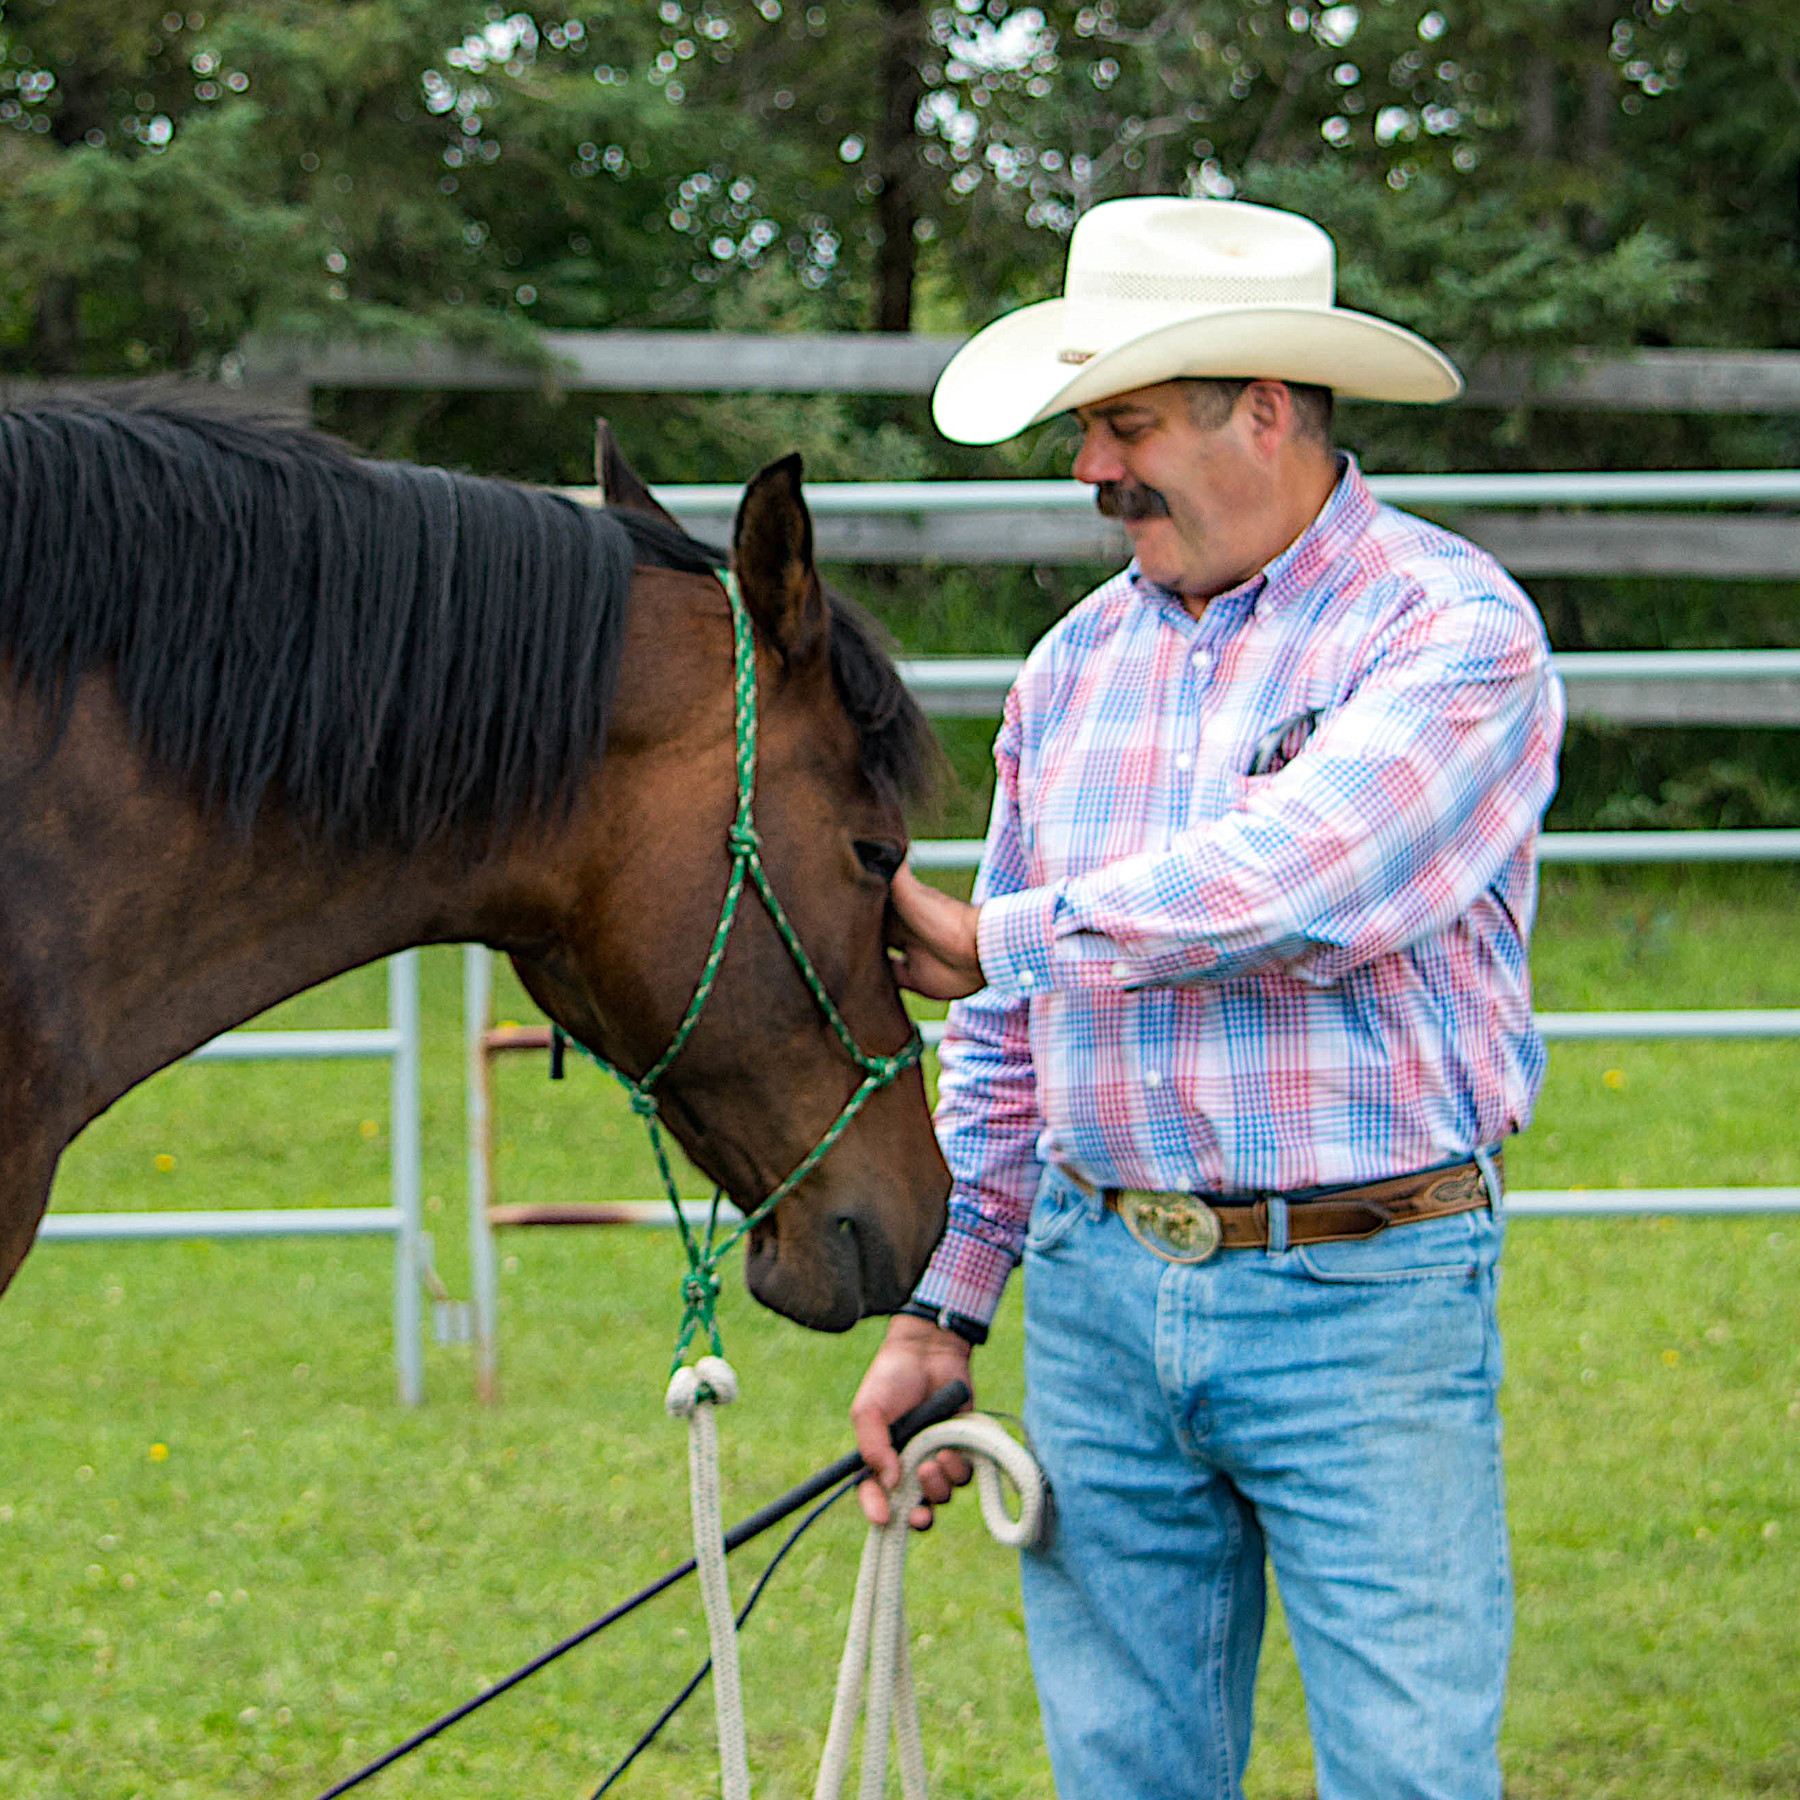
(933, 936)
(914, 1361)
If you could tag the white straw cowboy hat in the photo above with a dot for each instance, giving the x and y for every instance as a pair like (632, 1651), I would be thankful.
(1161, 287)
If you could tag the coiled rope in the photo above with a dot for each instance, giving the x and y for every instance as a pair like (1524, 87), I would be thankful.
(876, 1645)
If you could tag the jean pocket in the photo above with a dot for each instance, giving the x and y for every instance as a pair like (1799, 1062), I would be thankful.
(1057, 1210)
(1454, 1248)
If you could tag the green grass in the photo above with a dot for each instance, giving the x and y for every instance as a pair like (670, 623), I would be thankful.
(312, 1571)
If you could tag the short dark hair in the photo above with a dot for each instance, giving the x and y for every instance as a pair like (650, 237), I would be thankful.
(1211, 398)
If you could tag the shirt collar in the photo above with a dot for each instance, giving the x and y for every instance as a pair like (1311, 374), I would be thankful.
(1347, 513)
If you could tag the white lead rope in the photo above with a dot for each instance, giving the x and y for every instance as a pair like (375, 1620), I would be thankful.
(693, 1393)
(875, 1646)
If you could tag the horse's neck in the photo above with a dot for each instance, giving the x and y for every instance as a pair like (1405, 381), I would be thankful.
(133, 927)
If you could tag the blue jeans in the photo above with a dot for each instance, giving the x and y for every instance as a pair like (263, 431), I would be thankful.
(1331, 1409)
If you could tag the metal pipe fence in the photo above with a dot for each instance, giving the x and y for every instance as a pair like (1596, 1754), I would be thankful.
(1748, 1023)
(1568, 523)
(398, 1044)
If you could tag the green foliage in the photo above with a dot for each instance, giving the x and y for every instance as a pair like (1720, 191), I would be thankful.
(1722, 796)
(1525, 176)
(1477, 271)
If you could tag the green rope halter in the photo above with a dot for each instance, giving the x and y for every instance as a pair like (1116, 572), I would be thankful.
(700, 1286)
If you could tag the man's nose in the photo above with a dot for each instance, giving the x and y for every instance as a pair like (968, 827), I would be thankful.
(1096, 461)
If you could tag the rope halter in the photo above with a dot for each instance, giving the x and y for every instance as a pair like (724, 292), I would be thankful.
(700, 1286)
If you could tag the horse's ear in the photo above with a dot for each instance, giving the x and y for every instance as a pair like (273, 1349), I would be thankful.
(772, 553)
(617, 480)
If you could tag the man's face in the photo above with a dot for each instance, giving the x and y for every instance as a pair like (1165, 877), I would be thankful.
(1193, 499)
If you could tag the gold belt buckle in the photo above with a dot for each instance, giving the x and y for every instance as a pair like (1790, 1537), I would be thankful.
(1180, 1228)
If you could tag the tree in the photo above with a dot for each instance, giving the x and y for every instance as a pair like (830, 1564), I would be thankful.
(1527, 174)
(173, 179)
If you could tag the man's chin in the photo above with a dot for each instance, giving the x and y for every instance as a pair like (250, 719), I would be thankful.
(1151, 548)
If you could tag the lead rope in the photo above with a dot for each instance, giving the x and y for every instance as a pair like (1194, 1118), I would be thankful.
(693, 1394)
(875, 1645)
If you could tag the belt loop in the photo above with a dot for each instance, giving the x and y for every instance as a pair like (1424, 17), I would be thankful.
(1276, 1206)
(1091, 1195)
(1490, 1175)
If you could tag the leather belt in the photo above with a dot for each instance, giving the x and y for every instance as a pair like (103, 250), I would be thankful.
(1185, 1228)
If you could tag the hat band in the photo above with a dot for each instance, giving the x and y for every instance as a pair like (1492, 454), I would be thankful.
(1133, 285)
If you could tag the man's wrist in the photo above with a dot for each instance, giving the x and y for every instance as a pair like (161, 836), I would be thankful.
(971, 1331)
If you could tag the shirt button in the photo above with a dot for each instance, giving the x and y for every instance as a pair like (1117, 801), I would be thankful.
(1184, 761)
(1026, 978)
(1153, 1078)
(1121, 971)
(1202, 660)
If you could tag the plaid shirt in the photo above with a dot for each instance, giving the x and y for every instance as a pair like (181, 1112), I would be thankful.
(1257, 888)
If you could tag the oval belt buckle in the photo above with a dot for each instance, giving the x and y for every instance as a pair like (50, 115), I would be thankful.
(1180, 1228)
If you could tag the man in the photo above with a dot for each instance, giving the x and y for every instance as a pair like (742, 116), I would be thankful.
(1250, 1020)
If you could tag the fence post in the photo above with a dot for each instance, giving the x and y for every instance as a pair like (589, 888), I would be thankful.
(404, 1153)
(478, 993)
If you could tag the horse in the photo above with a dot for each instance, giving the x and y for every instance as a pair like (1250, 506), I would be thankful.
(270, 710)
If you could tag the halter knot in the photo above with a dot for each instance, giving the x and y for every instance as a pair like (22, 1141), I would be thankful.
(643, 1102)
(744, 840)
(699, 1288)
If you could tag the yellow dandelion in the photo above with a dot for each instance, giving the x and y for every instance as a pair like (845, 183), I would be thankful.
(164, 1163)
(159, 1452)
(1671, 1359)
(1614, 1079)
(369, 1128)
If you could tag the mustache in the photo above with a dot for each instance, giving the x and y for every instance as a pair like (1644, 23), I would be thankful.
(1129, 500)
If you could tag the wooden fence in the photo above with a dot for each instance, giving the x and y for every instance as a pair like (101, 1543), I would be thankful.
(1758, 541)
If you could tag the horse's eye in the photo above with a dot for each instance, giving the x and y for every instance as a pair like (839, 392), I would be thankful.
(879, 857)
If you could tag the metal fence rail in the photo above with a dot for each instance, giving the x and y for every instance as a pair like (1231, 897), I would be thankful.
(399, 1045)
(1623, 687)
(1596, 847)
(1524, 519)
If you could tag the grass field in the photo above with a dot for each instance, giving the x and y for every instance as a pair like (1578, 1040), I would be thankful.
(230, 1565)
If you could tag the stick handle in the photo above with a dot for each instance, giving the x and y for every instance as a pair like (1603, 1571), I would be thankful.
(946, 1403)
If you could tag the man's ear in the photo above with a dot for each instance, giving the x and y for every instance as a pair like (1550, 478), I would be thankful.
(617, 480)
(1268, 407)
(772, 555)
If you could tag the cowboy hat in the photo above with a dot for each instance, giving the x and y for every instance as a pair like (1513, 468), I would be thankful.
(1159, 288)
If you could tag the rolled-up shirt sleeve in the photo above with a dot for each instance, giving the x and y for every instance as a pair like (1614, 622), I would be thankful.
(1405, 804)
(988, 1117)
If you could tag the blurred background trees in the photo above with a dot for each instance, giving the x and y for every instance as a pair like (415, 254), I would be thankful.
(1522, 174)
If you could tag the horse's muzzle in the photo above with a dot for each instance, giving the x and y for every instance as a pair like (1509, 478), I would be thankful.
(830, 1272)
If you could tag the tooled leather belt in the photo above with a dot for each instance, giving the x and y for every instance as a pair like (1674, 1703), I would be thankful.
(1187, 1228)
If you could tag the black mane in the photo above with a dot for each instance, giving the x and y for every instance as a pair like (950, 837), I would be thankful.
(391, 653)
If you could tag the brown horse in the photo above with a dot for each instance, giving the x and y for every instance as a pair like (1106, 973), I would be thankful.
(269, 711)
